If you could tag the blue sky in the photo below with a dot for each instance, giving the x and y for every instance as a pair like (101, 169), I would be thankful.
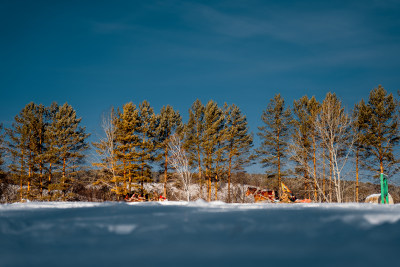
(98, 54)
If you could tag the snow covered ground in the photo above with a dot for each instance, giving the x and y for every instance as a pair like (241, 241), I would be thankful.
(198, 234)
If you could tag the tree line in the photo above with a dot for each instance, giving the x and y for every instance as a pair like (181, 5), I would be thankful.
(319, 142)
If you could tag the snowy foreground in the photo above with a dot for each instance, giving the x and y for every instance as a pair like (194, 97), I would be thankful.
(198, 234)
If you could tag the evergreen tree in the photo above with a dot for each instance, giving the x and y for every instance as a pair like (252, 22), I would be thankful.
(52, 153)
(358, 129)
(274, 137)
(146, 132)
(19, 148)
(301, 142)
(39, 127)
(314, 108)
(194, 132)
(212, 142)
(70, 143)
(238, 142)
(128, 143)
(26, 146)
(170, 121)
(381, 131)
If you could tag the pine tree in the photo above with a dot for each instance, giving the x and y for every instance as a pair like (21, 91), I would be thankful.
(301, 142)
(358, 129)
(147, 132)
(274, 137)
(314, 108)
(23, 146)
(39, 128)
(70, 143)
(170, 121)
(52, 153)
(194, 132)
(239, 141)
(127, 147)
(382, 130)
(212, 141)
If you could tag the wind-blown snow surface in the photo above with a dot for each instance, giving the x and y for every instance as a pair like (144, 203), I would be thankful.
(198, 234)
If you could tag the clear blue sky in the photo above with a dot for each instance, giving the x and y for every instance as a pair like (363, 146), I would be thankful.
(97, 54)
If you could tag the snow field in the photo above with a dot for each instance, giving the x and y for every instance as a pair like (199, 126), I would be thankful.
(198, 234)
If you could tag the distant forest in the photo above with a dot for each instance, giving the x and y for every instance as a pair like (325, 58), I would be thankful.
(320, 145)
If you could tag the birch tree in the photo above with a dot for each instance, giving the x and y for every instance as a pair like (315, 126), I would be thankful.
(333, 126)
(106, 152)
(180, 162)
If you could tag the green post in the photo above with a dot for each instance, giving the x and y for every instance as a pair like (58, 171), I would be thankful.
(384, 189)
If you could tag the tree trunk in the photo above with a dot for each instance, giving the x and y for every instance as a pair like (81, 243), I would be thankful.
(330, 176)
(208, 176)
(21, 177)
(130, 181)
(315, 171)
(165, 171)
(200, 178)
(29, 180)
(229, 179)
(41, 178)
(216, 187)
(50, 174)
(279, 169)
(357, 155)
(63, 176)
(323, 174)
(124, 174)
(142, 178)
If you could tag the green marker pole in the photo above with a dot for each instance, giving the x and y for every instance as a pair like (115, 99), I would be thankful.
(384, 189)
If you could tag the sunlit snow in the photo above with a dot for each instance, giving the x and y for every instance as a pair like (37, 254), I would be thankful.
(198, 234)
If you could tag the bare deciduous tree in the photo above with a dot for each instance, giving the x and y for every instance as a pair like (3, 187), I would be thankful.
(333, 126)
(180, 163)
(105, 149)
